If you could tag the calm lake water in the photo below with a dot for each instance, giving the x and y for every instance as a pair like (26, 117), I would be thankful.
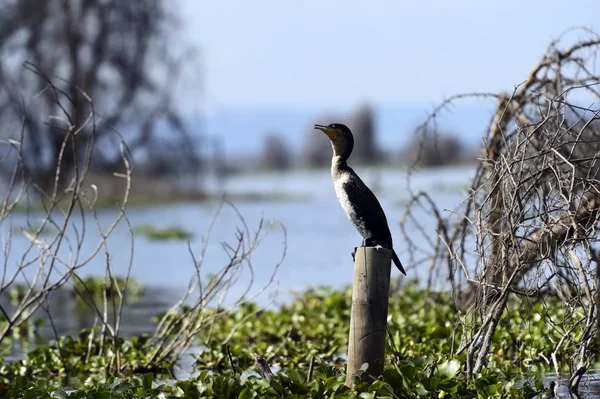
(319, 237)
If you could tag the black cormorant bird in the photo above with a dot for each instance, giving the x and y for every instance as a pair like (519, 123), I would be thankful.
(358, 201)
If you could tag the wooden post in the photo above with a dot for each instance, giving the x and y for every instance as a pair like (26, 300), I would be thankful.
(370, 293)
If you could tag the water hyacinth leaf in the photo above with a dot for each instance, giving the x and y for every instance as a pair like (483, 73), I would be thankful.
(246, 394)
(202, 375)
(276, 385)
(20, 382)
(147, 381)
(421, 391)
(331, 383)
(30, 394)
(375, 386)
(450, 386)
(113, 382)
(123, 387)
(59, 394)
(448, 369)
(295, 376)
(431, 384)
(319, 387)
(393, 377)
(408, 371)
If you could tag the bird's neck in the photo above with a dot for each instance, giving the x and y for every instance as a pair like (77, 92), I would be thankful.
(338, 165)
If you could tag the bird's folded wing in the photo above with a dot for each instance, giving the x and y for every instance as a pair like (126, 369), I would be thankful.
(366, 204)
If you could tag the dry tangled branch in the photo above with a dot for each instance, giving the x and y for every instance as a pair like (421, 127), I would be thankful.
(48, 262)
(79, 236)
(202, 304)
(528, 226)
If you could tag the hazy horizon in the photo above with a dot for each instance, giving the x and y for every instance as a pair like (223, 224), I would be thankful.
(243, 129)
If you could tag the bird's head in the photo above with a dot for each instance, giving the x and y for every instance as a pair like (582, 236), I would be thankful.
(341, 138)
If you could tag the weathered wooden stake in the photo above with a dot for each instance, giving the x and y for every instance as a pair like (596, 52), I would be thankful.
(370, 293)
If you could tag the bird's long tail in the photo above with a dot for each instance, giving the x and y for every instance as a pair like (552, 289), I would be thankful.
(397, 262)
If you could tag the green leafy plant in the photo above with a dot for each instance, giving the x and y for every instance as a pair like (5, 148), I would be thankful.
(422, 361)
(88, 358)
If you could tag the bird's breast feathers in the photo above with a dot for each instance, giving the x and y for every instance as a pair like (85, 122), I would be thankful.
(341, 192)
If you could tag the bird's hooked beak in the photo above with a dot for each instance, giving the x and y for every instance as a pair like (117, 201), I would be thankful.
(330, 132)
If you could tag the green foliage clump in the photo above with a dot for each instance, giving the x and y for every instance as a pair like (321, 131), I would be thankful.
(422, 322)
(163, 234)
(89, 357)
(315, 323)
(409, 380)
(425, 332)
(530, 330)
(424, 326)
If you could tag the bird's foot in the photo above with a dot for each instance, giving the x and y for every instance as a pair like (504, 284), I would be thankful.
(354, 254)
(370, 243)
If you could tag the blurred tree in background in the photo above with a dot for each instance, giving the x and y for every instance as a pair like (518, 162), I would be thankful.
(121, 53)
(433, 149)
(275, 153)
(362, 124)
(317, 151)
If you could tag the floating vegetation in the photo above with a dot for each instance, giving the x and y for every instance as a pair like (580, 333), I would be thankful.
(304, 342)
(312, 329)
(47, 230)
(163, 234)
(88, 358)
(98, 288)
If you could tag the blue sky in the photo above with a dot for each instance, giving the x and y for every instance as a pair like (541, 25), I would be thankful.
(275, 65)
(336, 54)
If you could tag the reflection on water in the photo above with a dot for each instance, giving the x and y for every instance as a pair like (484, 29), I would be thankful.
(588, 388)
